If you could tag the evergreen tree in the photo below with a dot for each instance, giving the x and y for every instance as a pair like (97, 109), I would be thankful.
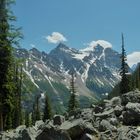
(27, 119)
(47, 109)
(8, 38)
(125, 84)
(73, 103)
(37, 109)
(33, 115)
(6, 87)
(17, 113)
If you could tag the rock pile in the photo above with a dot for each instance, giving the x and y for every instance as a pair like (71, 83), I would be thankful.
(115, 119)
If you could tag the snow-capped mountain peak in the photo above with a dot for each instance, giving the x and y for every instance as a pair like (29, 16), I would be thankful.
(92, 45)
(96, 71)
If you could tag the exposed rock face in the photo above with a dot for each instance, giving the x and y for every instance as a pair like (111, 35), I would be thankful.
(88, 137)
(131, 115)
(127, 133)
(53, 133)
(116, 121)
(132, 96)
(58, 119)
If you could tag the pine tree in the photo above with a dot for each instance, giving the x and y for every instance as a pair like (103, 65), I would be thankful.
(33, 118)
(73, 103)
(5, 64)
(17, 113)
(27, 119)
(8, 35)
(37, 109)
(47, 109)
(125, 84)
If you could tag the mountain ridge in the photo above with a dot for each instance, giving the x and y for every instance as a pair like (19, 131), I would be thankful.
(96, 71)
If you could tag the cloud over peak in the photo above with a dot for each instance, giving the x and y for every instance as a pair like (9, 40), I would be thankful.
(133, 58)
(55, 38)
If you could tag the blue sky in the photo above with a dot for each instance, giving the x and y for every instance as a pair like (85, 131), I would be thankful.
(79, 22)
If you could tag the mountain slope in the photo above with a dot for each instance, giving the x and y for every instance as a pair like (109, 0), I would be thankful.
(96, 68)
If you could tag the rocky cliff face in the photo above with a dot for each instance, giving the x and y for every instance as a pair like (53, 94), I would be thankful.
(96, 68)
(115, 119)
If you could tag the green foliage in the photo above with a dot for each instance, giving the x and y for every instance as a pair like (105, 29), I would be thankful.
(134, 82)
(37, 109)
(8, 38)
(27, 119)
(73, 103)
(125, 83)
(8, 122)
(47, 109)
(85, 102)
(33, 118)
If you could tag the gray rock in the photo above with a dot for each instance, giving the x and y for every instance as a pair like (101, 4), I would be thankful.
(87, 137)
(24, 135)
(58, 119)
(53, 133)
(76, 131)
(88, 128)
(127, 133)
(105, 125)
(98, 109)
(75, 113)
(118, 110)
(104, 136)
(132, 96)
(78, 127)
(115, 101)
(20, 133)
(105, 114)
(39, 124)
(114, 121)
(131, 116)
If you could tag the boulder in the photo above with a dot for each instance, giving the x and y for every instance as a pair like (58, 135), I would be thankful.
(24, 135)
(105, 114)
(87, 137)
(76, 131)
(131, 115)
(114, 121)
(127, 133)
(98, 109)
(87, 115)
(78, 127)
(75, 113)
(39, 124)
(105, 125)
(21, 133)
(115, 101)
(118, 110)
(132, 96)
(58, 119)
(53, 133)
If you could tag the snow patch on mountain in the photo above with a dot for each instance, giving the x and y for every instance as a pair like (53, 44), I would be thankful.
(30, 76)
(93, 44)
(80, 55)
(84, 76)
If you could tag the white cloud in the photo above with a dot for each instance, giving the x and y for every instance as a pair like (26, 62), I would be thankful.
(133, 58)
(103, 43)
(55, 38)
(93, 44)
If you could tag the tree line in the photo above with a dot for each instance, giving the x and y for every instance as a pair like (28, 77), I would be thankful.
(11, 78)
(129, 80)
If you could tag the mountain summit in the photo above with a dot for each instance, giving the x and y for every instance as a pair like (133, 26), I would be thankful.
(96, 68)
